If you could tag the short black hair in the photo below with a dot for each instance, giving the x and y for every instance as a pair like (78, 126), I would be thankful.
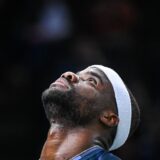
(135, 121)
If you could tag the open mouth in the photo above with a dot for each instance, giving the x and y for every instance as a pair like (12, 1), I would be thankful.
(60, 83)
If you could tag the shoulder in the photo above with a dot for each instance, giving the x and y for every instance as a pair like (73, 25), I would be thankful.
(95, 153)
(108, 156)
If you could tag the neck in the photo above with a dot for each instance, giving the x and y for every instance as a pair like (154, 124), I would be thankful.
(64, 143)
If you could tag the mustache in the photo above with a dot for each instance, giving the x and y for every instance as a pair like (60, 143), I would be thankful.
(48, 96)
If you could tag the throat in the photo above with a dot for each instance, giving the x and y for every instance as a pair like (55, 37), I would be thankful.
(63, 144)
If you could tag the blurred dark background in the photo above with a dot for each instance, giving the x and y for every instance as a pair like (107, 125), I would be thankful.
(41, 39)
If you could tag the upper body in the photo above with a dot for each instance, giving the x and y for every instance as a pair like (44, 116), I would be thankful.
(95, 153)
(82, 110)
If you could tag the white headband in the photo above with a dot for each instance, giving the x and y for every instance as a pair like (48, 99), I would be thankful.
(123, 102)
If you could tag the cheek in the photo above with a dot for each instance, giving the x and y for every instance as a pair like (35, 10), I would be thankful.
(87, 91)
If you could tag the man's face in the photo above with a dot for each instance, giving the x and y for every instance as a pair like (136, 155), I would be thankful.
(76, 99)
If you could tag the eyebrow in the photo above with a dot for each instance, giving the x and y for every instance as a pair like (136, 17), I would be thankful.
(94, 74)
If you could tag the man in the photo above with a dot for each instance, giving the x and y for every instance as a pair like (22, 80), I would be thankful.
(91, 113)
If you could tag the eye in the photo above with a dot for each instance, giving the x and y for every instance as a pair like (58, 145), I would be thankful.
(92, 80)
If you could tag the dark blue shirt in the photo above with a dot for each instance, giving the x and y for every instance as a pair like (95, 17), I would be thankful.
(95, 153)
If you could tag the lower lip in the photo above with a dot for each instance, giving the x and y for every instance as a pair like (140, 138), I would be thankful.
(59, 84)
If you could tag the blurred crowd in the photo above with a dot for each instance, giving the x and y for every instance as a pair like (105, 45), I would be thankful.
(41, 39)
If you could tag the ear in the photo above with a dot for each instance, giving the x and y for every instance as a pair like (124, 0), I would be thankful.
(109, 118)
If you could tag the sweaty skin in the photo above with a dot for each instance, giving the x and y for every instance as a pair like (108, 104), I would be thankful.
(64, 142)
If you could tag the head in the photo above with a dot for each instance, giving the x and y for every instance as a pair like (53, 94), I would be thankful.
(86, 98)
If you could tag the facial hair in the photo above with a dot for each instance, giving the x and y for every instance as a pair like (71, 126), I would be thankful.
(68, 108)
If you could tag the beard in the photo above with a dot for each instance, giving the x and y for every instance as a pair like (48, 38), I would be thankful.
(68, 108)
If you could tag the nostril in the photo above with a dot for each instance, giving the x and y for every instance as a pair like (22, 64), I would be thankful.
(67, 75)
(70, 77)
(63, 76)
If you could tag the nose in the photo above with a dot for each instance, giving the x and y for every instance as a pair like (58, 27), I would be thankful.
(72, 77)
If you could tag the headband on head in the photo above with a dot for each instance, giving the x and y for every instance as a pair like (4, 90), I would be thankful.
(123, 102)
